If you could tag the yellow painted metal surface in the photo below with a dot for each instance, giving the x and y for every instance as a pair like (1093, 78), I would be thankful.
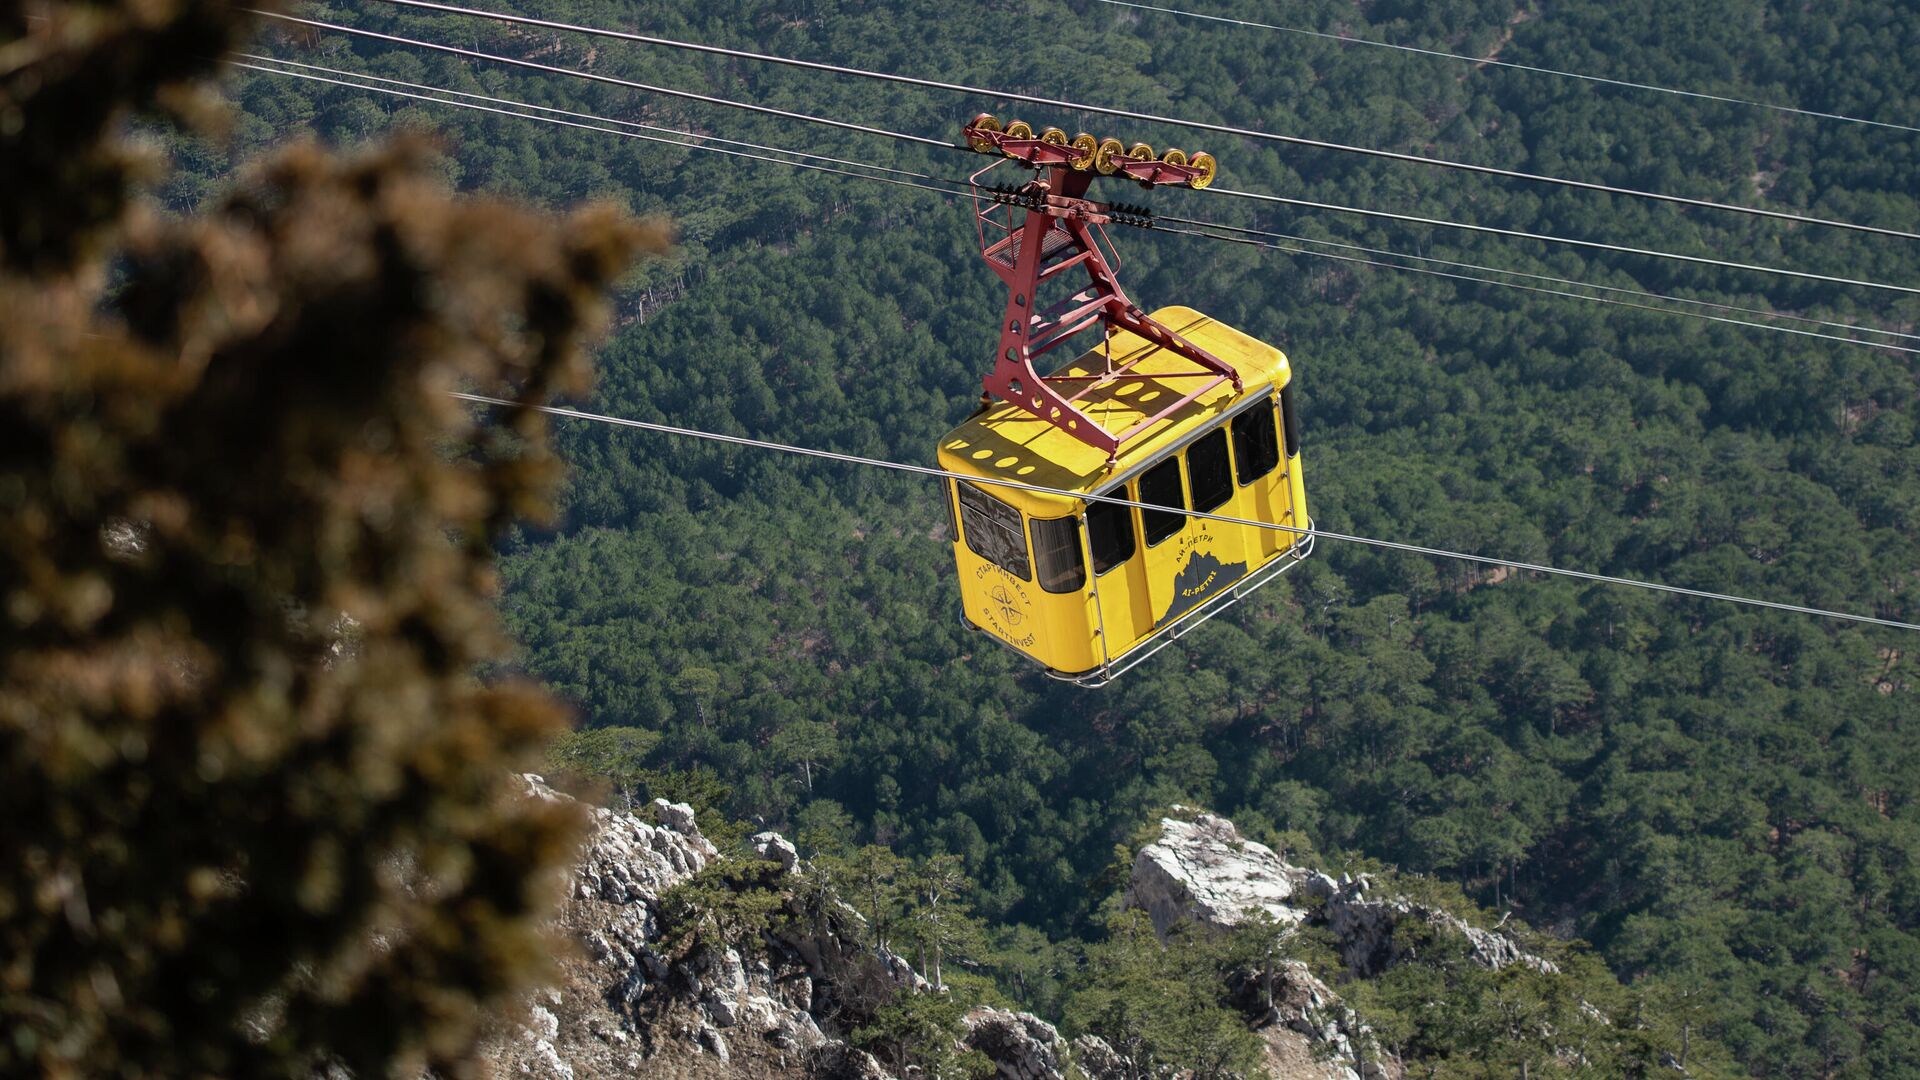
(1114, 612)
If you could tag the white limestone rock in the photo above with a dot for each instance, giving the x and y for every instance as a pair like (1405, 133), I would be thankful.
(546, 1063)
(629, 861)
(1204, 871)
(1365, 926)
(1100, 1061)
(1020, 1045)
(716, 1043)
(1200, 869)
(621, 981)
(675, 816)
(775, 848)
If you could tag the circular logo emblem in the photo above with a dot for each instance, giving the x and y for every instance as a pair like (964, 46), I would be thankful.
(1009, 614)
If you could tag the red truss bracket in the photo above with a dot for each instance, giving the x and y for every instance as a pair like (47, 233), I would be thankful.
(1083, 152)
(1056, 235)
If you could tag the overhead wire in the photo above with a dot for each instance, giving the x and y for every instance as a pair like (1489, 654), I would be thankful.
(953, 188)
(1597, 245)
(1643, 294)
(1228, 192)
(609, 80)
(1251, 242)
(593, 127)
(1105, 110)
(1295, 530)
(958, 185)
(1487, 61)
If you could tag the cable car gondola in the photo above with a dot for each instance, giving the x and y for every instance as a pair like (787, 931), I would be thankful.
(1171, 409)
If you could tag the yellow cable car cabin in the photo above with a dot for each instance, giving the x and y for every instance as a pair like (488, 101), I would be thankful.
(1089, 589)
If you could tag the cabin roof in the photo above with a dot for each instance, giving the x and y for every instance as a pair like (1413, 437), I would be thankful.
(1009, 443)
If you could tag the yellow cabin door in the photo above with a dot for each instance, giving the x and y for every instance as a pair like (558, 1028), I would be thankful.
(1205, 557)
(1216, 553)
(1261, 476)
(1161, 536)
(1123, 614)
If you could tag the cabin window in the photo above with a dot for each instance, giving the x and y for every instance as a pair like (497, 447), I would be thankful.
(1161, 487)
(1056, 554)
(1292, 421)
(1208, 474)
(992, 529)
(1253, 443)
(1110, 535)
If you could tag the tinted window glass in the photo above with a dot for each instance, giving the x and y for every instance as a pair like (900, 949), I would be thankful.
(1207, 471)
(953, 524)
(1253, 443)
(1110, 535)
(1293, 421)
(992, 530)
(1056, 554)
(1161, 487)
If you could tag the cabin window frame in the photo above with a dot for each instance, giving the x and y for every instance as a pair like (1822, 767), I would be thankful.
(1140, 491)
(1289, 423)
(1225, 489)
(988, 506)
(1045, 572)
(1124, 514)
(1264, 414)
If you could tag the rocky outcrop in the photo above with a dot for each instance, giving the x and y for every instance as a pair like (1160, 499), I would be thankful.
(627, 1006)
(1201, 870)
(1024, 1047)
(1021, 1046)
(1098, 1061)
(775, 848)
(624, 1005)
(1369, 931)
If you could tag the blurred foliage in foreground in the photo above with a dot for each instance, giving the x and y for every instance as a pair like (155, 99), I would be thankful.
(259, 813)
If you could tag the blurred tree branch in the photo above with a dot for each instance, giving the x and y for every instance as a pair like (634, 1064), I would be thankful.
(260, 812)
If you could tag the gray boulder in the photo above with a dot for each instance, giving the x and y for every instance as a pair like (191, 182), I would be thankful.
(1204, 871)
(1020, 1045)
(775, 848)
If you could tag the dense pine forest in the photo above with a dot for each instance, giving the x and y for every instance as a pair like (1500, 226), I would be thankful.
(1723, 801)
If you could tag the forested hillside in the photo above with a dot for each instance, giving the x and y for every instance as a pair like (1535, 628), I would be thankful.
(1722, 800)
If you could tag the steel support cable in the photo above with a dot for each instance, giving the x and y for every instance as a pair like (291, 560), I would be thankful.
(1105, 110)
(1392, 545)
(923, 470)
(595, 127)
(923, 140)
(607, 79)
(1598, 245)
(1251, 242)
(1762, 312)
(959, 186)
(962, 186)
(1489, 62)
